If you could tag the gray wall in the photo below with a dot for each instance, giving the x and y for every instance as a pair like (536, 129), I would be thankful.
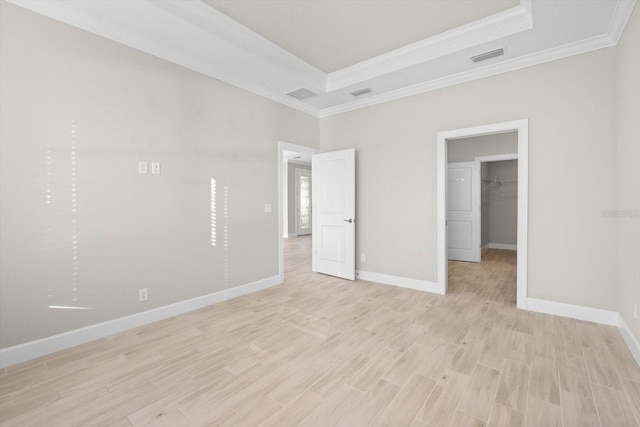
(108, 231)
(628, 196)
(502, 203)
(71, 99)
(291, 194)
(571, 249)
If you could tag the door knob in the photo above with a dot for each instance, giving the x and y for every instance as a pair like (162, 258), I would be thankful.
(350, 220)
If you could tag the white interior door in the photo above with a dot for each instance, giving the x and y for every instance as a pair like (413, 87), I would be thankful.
(303, 201)
(463, 211)
(334, 197)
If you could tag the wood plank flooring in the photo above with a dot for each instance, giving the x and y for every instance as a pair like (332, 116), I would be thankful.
(319, 351)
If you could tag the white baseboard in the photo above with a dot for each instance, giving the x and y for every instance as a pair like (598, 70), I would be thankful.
(632, 342)
(596, 315)
(287, 236)
(504, 246)
(403, 282)
(31, 350)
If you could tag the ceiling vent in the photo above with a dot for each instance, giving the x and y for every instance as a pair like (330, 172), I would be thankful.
(488, 55)
(302, 94)
(360, 91)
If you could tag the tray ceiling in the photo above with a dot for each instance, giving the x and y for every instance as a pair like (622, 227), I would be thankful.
(331, 35)
(295, 44)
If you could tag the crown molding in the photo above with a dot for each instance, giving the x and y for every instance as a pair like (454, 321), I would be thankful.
(196, 36)
(219, 25)
(621, 16)
(541, 57)
(494, 27)
(287, 66)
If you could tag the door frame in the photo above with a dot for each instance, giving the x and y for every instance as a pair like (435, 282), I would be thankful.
(522, 129)
(282, 145)
(298, 172)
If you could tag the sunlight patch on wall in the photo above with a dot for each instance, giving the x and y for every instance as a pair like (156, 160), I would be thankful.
(74, 214)
(213, 213)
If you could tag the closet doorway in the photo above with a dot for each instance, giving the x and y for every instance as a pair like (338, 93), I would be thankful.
(499, 201)
(504, 161)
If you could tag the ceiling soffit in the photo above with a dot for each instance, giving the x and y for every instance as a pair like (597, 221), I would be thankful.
(332, 35)
(195, 35)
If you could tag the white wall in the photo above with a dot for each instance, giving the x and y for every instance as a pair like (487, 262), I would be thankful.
(570, 105)
(108, 231)
(628, 170)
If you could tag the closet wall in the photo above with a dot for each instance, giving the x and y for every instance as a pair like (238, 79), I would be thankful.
(500, 203)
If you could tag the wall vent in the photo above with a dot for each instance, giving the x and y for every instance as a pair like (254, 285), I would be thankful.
(360, 91)
(488, 55)
(302, 94)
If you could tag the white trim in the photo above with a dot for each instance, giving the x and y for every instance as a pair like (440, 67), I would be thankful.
(198, 33)
(281, 165)
(31, 350)
(497, 26)
(496, 158)
(580, 312)
(403, 282)
(504, 246)
(541, 57)
(522, 127)
(589, 314)
(619, 20)
(251, 59)
(290, 235)
(632, 342)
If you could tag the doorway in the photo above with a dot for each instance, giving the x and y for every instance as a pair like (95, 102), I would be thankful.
(291, 157)
(303, 199)
(521, 127)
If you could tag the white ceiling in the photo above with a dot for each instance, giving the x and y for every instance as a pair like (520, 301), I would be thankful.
(295, 157)
(331, 35)
(195, 35)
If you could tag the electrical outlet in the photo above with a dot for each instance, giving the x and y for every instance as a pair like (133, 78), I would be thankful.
(143, 294)
(155, 168)
(363, 257)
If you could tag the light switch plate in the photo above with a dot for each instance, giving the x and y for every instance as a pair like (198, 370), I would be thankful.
(142, 167)
(267, 208)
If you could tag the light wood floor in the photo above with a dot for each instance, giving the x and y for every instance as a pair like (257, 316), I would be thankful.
(319, 351)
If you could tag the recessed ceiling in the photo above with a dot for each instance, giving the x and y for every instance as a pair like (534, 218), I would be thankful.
(334, 33)
(295, 157)
(331, 35)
